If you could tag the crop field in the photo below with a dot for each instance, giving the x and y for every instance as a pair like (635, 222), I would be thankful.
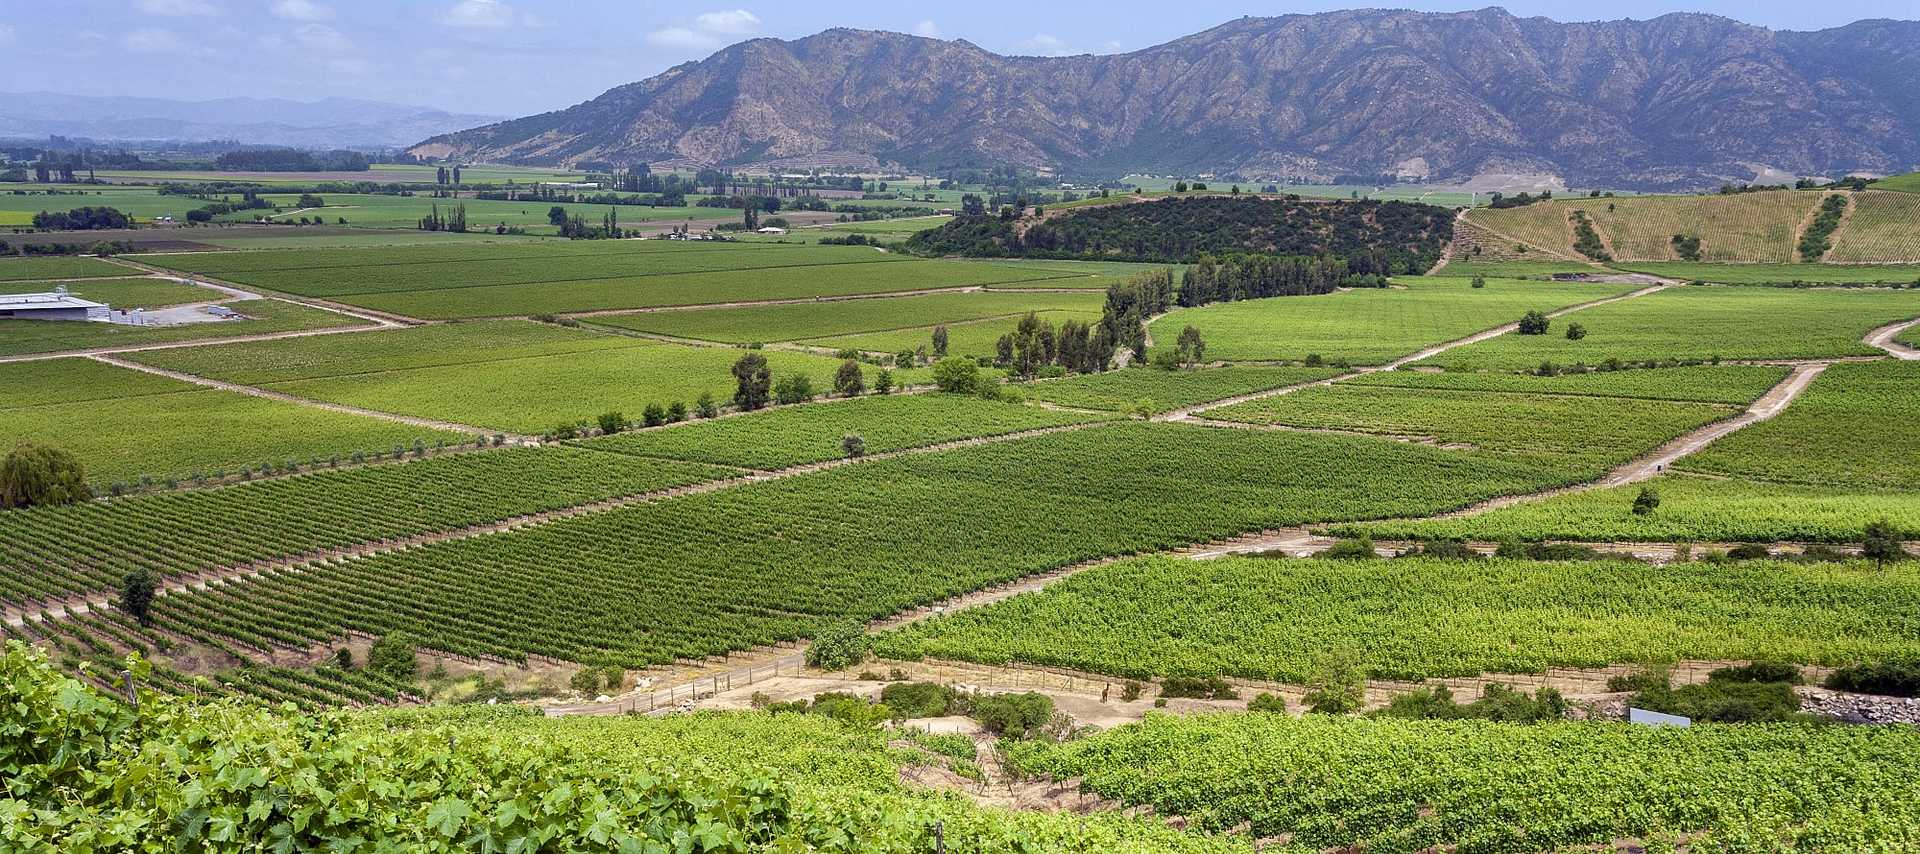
(1880, 229)
(1158, 391)
(1780, 274)
(182, 432)
(1329, 783)
(1420, 618)
(1701, 323)
(1576, 437)
(529, 380)
(1369, 326)
(389, 211)
(1512, 269)
(966, 338)
(58, 267)
(1908, 183)
(806, 434)
(141, 203)
(740, 567)
(800, 321)
(1853, 427)
(18, 337)
(1749, 227)
(1692, 510)
(85, 547)
(121, 293)
(1728, 384)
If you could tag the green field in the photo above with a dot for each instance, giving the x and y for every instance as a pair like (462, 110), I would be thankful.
(1159, 391)
(1853, 427)
(799, 321)
(1692, 509)
(500, 375)
(1328, 783)
(141, 203)
(1882, 227)
(1779, 274)
(1417, 618)
(967, 338)
(18, 337)
(58, 267)
(1513, 269)
(1577, 437)
(1908, 183)
(1729, 384)
(805, 434)
(1369, 326)
(122, 293)
(181, 432)
(1701, 323)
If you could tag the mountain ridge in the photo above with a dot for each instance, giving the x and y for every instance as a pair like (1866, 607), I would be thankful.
(324, 123)
(1683, 100)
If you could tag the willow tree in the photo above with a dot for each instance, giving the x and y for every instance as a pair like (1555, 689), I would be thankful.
(39, 475)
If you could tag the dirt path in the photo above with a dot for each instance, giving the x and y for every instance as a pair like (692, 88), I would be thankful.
(376, 317)
(1882, 338)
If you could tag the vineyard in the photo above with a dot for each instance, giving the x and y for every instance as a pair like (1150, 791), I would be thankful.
(1853, 428)
(970, 338)
(1692, 510)
(1158, 391)
(1701, 323)
(1734, 385)
(58, 267)
(1880, 230)
(736, 568)
(59, 551)
(1330, 783)
(1418, 618)
(120, 293)
(1780, 275)
(802, 321)
(1368, 326)
(1743, 227)
(263, 316)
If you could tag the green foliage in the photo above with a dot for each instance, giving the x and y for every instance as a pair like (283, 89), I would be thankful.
(753, 380)
(1014, 716)
(612, 422)
(1265, 702)
(1497, 702)
(1643, 681)
(1360, 548)
(956, 375)
(952, 745)
(393, 656)
(1686, 246)
(136, 596)
(1534, 323)
(1726, 701)
(1119, 390)
(1576, 332)
(1200, 687)
(853, 446)
(1851, 428)
(1759, 671)
(1586, 240)
(1818, 238)
(1882, 543)
(920, 700)
(839, 646)
(849, 380)
(1893, 678)
(794, 388)
(1646, 502)
(41, 476)
(1337, 683)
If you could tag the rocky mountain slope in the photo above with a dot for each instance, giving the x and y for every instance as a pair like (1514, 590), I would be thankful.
(1682, 100)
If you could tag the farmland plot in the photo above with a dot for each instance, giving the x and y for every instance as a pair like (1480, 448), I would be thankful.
(57, 267)
(1781, 275)
(262, 316)
(971, 338)
(1158, 391)
(1745, 227)
(1728, 384)
(798, 321)
(1883, 227)
(1852, 428)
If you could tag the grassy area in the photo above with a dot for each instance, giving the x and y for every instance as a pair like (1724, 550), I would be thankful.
(1778, 274)
(1369, 326)
(1750, 227)
(964, 338)
(799, 321)
(1415, 618)
(1728, 384)
(18, 203)
(1701, 323)
(121, 293)
(1692, 509)
(1908, 183)
(1853, 427)
(1882, 227)
(19, 337)
(1158, 391)
(57, 267)
(1512, 269)
(167, 429)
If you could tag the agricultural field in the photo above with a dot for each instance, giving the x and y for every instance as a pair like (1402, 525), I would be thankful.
(1422, 618)
(48, 268)
(1139, 389)
(1780, 275)
(121, 293)
(390, 211)
(531, 381)
(1575, 437)
(827, 319)
(1908, 183)
(792, 436)
(1735, 385)
(122, 428)
(778, 560)
(1505, 787)
(1692, 510)
(19, 202)
(1852, 428)
(1701, 323)
(1512, 269)
(1881, 228)
(1369, 326)
(86, 547)
(1744, 227)
(973, 338)
(262, 316)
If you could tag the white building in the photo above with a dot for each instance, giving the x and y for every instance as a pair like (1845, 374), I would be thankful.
(58, 305)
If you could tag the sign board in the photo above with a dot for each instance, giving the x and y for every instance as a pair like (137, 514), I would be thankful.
(1647, 718)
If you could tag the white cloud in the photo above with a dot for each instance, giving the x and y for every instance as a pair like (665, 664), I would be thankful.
(175, 8)
(1044, 44)
(350, 65)
(6, 34)
(732, 22)
(153, 41)
(323, 38)
(479, 14)
(301, 10)
(927, 29)
(681, 38)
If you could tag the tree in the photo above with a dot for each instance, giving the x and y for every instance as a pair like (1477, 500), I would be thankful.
(956, 375)
(136, 596)
(1534, 323)
(556, 215)
(1576, 332)
(1479, 281)
(393, 655)
(704, 406)
(653, 415)
(1003, 350)
(1646, 502)
(883, 382)
(1337, 685)
(839, 646)
(41, 475)
(1191, 348)
(853, 446)
(940, 341)
(850, 380)
(1882, 544)
(793, 388)
(612, 422)
(755, 381)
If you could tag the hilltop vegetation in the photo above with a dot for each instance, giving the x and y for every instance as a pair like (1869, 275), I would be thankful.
(1760, 227)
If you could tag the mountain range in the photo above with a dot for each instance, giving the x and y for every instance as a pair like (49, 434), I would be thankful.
(1683, 100)
(328, 123)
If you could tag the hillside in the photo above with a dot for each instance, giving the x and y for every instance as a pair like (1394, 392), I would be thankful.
(1683, 100)
(1375, 236)
(1766, 227)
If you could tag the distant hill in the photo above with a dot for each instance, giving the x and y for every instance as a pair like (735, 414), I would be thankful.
(1680, 101)
(328, 123)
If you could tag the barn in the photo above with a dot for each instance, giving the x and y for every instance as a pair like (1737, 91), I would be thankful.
(58, 305)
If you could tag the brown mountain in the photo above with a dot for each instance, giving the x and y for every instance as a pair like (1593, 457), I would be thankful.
(1681, 100)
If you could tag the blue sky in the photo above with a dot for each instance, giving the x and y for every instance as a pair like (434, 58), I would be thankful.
(523, 56)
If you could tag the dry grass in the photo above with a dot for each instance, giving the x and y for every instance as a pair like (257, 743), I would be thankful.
(1750, 227)
(1882, 228)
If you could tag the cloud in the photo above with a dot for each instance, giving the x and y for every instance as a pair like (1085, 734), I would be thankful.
(176, 8)
(710, 30)
(682, 38)
(1043, 44)
(927, 29)
(479, 14)
(732, 22)
(301, 10)
(322, 38)
(6, 34)
(153, 41)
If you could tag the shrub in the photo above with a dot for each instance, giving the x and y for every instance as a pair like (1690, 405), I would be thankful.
(1562, 551)
(585, 681)
(1266, 702)
(1446, 549)
(752, 380)
(1726, 702)
(1534, 323)
(1759, 671)
(918, 700)
(1199, 687)
(1890, 678)
(956, 375)
(705, 407)
(853, 446)
(612, 422)
(1882, 543)
(1646, 679)
(850, 380)
(1497, 703)
(136, 596)
(793, 388)
(1748, 551)
(1013, 716)
(1576, 332)
(1349, 549)
(676, 412)
(1165, 360)
(393, 655)
(883, 382)
(343, 658)
(1479, 281)
(1337, 684)
(1129, 691)
(839, 646)
(654, 415)
(41, 475)
(1646, 502)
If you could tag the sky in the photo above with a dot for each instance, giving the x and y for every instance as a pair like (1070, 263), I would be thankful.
(516, 57)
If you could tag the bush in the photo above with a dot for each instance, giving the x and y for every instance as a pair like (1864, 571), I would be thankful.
(853, 446)
(883, 382)
(705, 407)
(612, 422)
(793, 388)
(1646, 502)
(1199, 687)
(1726, 702)
(1889, 678)
(1576, 332)
(654, 415)
(676, 412)
(585, 681)
(1349, 549)
(839, 646)
(1748, 551)
(1337, 685)
(1446, 550)
(393, 655)
(1563, 551)
(850, 380)
(41, 475)
(1497, 703)
(1013, 716)
(1129, 691)
(956, 375)
(918, 700)
(1759, 671)
(1646, 679)
(1266, 702)
(1534, 323)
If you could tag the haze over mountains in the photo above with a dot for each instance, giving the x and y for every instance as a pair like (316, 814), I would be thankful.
(327, 123)
(1681, 101)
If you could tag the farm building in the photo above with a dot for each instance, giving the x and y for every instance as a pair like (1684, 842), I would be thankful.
(58, 305)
